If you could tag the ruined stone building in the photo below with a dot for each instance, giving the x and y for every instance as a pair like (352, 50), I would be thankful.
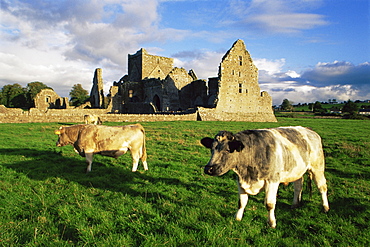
(153, 85)
(48, 99)
(97, 90)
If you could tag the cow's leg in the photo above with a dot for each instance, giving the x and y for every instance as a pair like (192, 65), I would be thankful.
(270, 202)
(320, 181)
(243, 200)
(298, 185)
(135, 159)
(145, 165)
(143, 158)
(89, 160)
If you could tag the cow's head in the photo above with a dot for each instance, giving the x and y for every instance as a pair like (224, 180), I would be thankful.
(64, 138)
(224, 153)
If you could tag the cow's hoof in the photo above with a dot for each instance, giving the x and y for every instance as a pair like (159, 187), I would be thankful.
(272, 225)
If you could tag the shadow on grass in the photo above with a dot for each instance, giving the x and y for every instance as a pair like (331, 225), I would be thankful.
(42, 165)
(354, 173)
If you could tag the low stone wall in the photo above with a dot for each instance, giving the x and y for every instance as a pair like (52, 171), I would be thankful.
(213, 114)
(10, 115)
(14, 115)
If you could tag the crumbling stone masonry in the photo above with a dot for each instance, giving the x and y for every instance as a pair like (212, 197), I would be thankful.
(97, 93)
(239, 97)
(154, 85)
(48, 99)
(154, 90)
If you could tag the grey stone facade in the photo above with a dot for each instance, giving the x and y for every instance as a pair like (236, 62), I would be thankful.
(153, 85)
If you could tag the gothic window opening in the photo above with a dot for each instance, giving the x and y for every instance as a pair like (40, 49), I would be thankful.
(240, 88)
(157, 102)
(130, 95)
(240, 60)
(48, 100)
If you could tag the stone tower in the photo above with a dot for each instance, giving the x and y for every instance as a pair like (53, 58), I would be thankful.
(239, 97)
(97, 93)
(142, 65)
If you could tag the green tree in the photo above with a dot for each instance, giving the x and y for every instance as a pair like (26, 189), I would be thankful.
(350, 107)
(286, 105)
(33, 88)
(78, 95)
(317, 107)
(13, 96)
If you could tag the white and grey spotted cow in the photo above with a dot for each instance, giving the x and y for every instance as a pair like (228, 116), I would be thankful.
(264, 158)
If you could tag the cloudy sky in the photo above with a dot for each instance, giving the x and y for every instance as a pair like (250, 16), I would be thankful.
(305, 50)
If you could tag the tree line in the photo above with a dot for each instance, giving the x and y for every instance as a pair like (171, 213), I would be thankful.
(16, 96)
(349, 107)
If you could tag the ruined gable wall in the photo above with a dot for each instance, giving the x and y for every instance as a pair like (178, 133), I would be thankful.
(180, 77)
(239, 92)
(156, 66)
(175, 81)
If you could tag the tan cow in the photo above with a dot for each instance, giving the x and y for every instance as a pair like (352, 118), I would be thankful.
(88, 139)
(92, 119)
(264, 158)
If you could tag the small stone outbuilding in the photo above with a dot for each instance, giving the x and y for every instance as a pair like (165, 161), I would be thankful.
(48, 99)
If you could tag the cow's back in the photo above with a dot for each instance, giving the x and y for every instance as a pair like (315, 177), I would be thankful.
(97, 138)
(277, 153)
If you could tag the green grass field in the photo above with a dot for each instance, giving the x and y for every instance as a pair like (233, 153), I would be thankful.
(46, 199)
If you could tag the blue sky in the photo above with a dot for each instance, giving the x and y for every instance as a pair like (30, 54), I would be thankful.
(305, 50)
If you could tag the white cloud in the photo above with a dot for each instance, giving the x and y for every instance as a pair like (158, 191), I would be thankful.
(279, 16)
(60, 43)
(339, 80)
(270, 67)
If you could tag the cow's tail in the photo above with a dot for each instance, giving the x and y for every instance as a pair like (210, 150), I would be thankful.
(309, 183)
(143, 149)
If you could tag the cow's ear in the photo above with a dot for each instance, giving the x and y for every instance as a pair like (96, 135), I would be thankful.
(59, 131)
(207, 142)
(236, 146)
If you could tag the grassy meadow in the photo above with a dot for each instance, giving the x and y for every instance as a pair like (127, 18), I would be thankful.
(46, 199)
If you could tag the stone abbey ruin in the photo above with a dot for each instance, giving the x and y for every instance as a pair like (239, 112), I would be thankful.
(155, 90)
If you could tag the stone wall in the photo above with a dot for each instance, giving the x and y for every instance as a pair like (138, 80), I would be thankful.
(16, 115)
(212, 114)
(142, 65)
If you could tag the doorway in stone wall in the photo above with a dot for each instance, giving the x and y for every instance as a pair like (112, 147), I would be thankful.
(157, 102)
